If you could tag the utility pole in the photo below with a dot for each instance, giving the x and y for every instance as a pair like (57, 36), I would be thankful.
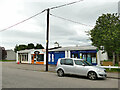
(47, 39)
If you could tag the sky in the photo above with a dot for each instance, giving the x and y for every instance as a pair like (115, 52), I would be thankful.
(64, 32)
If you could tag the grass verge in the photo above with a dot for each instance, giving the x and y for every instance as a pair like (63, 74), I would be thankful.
(113, 70)
(7, 60)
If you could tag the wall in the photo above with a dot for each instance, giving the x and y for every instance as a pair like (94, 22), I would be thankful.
(11, 55)
(103, 56)
(0, 53)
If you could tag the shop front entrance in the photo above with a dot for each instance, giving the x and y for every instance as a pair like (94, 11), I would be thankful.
(37, 59)
(89, 56)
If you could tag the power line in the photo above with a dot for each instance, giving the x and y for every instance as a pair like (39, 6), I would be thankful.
(70, 20)
(23, 20)
(65, 4)
(40, 13)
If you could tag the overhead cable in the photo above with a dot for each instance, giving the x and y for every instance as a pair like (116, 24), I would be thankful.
(70, 20)
(40, 13)
(65, 4)
(23, 20)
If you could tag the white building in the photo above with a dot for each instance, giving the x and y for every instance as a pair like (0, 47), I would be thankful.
(32, 56)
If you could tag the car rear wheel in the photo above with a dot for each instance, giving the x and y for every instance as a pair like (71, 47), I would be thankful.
(60, 73)
(92, 75)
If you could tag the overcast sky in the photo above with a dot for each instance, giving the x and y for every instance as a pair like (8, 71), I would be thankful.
(64, 32)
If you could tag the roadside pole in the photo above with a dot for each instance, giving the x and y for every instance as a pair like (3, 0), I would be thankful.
(47, 39)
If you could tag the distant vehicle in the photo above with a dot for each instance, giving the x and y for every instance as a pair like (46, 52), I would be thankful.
(79, 67)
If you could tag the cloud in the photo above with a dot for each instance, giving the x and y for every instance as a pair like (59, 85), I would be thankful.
(65, 32)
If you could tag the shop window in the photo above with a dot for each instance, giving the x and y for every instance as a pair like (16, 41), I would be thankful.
(40, 57)
(93, 55)
(23, 57)
(32, 57)
(75, 55)
(84, 56)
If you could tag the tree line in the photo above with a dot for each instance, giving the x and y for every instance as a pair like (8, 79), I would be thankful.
(29, 46)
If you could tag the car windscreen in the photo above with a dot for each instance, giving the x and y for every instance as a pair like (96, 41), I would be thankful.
(86, 63)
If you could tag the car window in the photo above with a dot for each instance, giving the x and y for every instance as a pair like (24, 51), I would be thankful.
(62, 61)
(68, 62)
(78, 62)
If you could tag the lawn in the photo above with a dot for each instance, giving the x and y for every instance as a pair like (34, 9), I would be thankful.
(7, 60)
(113, 70)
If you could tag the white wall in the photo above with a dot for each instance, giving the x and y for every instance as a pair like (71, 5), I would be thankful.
(67, 54)
(17, 57)
(101, 56)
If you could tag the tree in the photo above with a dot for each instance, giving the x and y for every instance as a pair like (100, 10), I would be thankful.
(39, 46)
(106, 33)
(20, 47)
(30, 46)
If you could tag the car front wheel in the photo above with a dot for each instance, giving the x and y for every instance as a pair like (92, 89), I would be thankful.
(60, 73)
(92, 75)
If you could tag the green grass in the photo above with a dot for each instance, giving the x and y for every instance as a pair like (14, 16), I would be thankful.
(117, 65)
(112, 70)
(7, 60)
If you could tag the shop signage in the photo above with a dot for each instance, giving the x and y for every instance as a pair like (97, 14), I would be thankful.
(36, 52)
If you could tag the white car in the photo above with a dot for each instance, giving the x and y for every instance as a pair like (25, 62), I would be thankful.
(79, 67)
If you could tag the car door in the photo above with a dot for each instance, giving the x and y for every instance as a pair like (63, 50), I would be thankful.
(68, 66)
(80, 69)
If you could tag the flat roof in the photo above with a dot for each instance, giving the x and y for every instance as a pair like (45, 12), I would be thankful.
(75, 48)
(28, 50)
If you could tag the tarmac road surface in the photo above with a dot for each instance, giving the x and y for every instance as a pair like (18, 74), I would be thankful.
(18, 78)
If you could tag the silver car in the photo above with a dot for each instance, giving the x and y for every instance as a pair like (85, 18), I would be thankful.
(79, 67)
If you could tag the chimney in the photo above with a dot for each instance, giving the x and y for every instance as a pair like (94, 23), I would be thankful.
(56, 44)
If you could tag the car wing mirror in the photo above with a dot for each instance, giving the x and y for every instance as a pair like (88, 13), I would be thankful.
(83, 64)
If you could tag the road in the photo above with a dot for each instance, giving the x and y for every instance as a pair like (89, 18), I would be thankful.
(19, 78)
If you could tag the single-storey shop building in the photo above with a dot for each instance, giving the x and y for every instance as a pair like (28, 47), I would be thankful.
(88, 53)
(32, 56)
(38, 56)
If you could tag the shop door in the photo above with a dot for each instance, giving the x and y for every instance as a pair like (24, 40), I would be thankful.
(89, 58)
(58, 55)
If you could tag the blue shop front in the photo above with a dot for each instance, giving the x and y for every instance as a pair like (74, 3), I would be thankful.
(89, 55)
(54, 56)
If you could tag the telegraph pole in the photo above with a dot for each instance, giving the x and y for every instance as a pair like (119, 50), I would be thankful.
(47, 39)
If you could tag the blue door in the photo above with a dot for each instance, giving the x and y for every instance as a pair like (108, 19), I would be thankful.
(58, 55)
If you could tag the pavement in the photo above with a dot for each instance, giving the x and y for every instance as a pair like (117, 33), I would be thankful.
(51, 68)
